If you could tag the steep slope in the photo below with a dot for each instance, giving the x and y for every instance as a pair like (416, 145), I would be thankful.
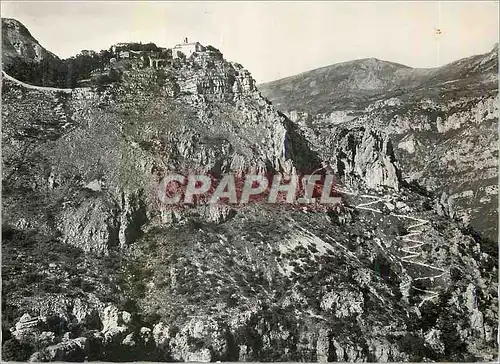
(23, 57)
(96, 268)
(18, 44)
(443, 126)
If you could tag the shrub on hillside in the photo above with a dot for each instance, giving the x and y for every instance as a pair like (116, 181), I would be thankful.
(13, 350)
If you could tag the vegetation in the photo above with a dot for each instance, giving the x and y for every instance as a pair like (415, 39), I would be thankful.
(140, 47)
(60, 73)
(13, 350)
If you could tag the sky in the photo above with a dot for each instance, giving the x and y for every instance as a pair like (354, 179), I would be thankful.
(272, 39)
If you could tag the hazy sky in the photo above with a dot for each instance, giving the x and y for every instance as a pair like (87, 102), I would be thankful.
(272, 39)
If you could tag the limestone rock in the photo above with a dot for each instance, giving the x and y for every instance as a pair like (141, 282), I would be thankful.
(27, 327)
(343, 303)
(433, 339)
(72, 350)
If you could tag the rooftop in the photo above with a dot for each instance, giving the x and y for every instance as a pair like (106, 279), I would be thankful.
(185, 44)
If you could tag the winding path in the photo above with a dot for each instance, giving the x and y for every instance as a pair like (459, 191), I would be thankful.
(33, 87)
(414, 236)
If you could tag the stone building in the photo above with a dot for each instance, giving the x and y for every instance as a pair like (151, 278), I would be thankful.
(187, 48)
(118, 46)
(156, 61)
(124, 54)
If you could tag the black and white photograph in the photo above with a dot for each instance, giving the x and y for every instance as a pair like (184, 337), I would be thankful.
(249, 181)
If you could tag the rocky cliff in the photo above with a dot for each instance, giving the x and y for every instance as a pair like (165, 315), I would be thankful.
(95, 268)
(450, 146)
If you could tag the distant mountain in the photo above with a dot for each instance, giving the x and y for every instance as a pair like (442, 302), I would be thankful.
(353, 85)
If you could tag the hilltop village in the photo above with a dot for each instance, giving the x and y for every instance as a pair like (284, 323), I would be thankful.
(198, 69)
(185, 69)
(149, 55)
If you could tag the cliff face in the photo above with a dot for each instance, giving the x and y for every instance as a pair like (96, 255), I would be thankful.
(95, 268)
(354, 154)
(121, 141)
(451, 148)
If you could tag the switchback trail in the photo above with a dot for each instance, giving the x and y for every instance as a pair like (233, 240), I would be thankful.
(415, 237)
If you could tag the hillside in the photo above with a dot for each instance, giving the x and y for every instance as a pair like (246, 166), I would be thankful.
(95, 267)
(442, 121)
(23, 56)
(18, 45)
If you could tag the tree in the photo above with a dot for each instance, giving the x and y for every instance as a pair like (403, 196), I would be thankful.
(13, 350)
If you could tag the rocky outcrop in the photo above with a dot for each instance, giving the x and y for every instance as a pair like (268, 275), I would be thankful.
(72, 350)
(475, 113)
(27, 327)
(190, 344)
(90, 226)
(343, 302)
(361, 153)
(114, 323)
(210, 76)
(375, 161)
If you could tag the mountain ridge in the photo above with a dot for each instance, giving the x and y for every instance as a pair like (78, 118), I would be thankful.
(401, 65)
(306, 91)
